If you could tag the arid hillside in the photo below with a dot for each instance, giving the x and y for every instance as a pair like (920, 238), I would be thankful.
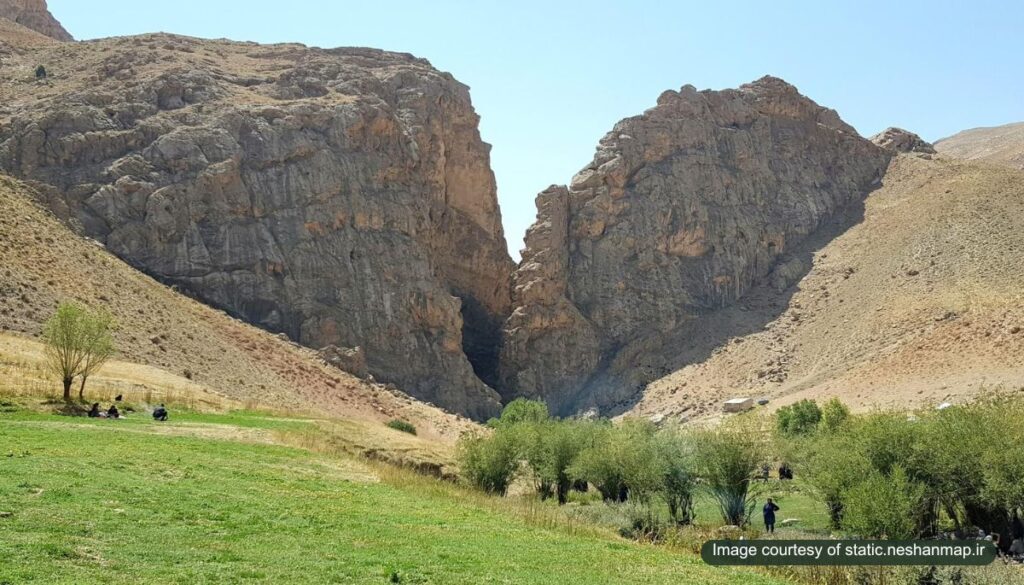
(999, 144)
(914, 300)
(682, 210)
(44, 263)
(339, 196)
(34, 15)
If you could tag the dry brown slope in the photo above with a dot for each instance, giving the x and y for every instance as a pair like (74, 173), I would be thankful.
(919, 302)
(341, 196)
(44, 263)
(34, 14)
(999, 144)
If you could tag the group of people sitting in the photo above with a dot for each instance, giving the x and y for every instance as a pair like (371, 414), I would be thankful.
(111, 412)
(159, 413)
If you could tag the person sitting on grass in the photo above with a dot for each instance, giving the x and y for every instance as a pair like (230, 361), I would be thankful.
(160, 413)
(1017, 547)
(769, 516)
(112, 412)
(94, 412)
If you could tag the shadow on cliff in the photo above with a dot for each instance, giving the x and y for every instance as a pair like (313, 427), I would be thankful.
(623, 378)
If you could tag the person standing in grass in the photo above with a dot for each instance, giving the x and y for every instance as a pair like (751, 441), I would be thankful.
(769, 516)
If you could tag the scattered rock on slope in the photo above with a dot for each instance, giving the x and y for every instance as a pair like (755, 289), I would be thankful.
(35, 15)
(342, 196)
(681, 211)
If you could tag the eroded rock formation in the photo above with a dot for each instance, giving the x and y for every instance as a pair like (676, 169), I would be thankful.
(900, 140)
(682, 210)
(35, 15)
(343, 197)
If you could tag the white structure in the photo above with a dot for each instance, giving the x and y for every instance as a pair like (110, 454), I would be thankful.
(738, 404)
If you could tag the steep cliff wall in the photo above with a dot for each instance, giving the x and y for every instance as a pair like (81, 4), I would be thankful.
(681, 211)
(341, 196)
(35, 15)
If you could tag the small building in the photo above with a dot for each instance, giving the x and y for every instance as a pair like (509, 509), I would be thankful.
(738, 405)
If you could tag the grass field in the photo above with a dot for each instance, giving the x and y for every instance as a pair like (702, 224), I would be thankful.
(215, 499)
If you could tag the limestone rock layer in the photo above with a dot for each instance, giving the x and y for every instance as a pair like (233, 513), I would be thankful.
(343, 197)
(682, 211)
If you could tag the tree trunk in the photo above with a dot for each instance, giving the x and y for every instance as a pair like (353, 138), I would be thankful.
(81, 389)
(67, 389)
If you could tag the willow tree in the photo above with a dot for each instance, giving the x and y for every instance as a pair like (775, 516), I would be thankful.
(77, 344)
(99, 346)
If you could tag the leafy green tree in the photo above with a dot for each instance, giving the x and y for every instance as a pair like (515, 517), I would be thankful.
(622, 461)
(833, 415)
(99, 346)
(884, 506)
(726, 459)
(676, 452)
(798, 419)
(521, 410)
(550, 448)
(831, 465)
(489, 462)
(66, 336)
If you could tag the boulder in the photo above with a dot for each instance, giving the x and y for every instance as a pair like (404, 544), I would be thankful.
(347, 359)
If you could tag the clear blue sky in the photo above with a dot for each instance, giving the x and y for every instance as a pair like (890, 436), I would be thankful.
(550, 78)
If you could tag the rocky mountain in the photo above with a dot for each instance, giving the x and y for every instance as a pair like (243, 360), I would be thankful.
(915, 300)
(35, 15)
(168, 338)
(1001, 145)
(682, 211)
(342, 197)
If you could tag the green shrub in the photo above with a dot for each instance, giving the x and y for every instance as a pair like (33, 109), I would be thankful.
(883, 506)
(643, 523)
(401, 425)
(679, 481)
(726, 459)
(831, 465)
(622, 461)
(833, 415)
(798, 419)
(489, 462)
(521, 410)
(550, 448)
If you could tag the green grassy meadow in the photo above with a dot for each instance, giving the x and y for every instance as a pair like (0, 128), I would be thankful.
(215, 499)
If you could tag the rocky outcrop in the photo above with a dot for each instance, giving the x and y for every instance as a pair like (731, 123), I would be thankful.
(900, 140)
(35, 15)
(682, 211)
(343, 197)
(346, 359)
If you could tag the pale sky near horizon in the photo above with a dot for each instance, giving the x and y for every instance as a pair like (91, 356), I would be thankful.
(549, 78)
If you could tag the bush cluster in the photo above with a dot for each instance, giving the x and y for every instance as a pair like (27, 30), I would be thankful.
(632, 461)
(403, 426)
(897, 476)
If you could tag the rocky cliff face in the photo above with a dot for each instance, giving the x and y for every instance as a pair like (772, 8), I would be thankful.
(35, 15)
(681, 211)
(343, 197)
